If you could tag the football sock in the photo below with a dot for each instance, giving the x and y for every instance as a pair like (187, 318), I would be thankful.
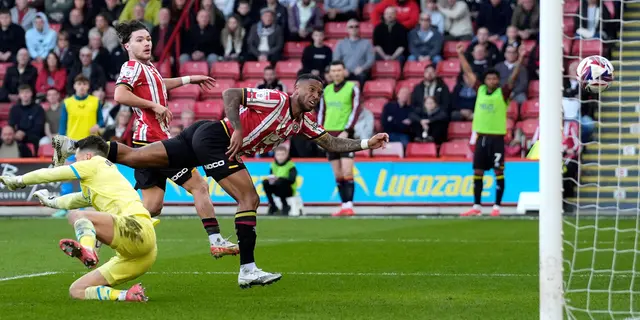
(112, 155)
(246, 231)
(499, 188)
(477, 189)
(340, 184)
(213, 229)
(85, 233)
(104, 293)
(248, 266)
(349, 189)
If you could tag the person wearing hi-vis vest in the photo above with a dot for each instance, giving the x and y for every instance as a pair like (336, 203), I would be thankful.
(281, 181)
(338, 114)
(490, 126)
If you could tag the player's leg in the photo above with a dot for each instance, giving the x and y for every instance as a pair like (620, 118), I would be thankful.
(94, 286)
(481, 163)
(497, 148)
(346, 164)
(89, 226)
(334, 161)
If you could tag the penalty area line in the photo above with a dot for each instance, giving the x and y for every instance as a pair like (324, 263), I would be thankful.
(30, 275)
(360, 274)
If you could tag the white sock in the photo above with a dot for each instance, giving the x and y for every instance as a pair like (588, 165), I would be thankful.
(496, 207)
(477, 207)
(347, 205)
(123, 295)
(214, 238)
(249, 266)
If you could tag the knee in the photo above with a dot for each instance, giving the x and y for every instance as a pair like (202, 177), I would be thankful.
(249, 200)
(155, 209)
(74, 215)
(199, 189)
(76, 291)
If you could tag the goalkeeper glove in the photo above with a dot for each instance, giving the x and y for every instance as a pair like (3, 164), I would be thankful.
(12, 182)
(46, 199)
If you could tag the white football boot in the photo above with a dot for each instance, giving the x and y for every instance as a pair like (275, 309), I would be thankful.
(64, 148)
(248, 278)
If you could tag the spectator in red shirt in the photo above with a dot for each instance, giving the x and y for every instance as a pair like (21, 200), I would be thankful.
(52, 75)
(407, 12)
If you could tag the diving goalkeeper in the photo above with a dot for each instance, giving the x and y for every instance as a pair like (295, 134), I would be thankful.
(121, 222)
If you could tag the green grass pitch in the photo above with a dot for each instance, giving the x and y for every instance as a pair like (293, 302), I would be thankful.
(404, 268)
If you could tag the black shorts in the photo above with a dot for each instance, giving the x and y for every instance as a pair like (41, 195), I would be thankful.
(489, 153)
(339, 155)
(204, 143)
(148, 178)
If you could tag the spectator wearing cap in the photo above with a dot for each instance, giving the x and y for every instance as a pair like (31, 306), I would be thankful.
(407, 12)
(202, 41)
(304, 17)
(356, 53)
(458, 20)
(390, 38)
(266, 38)
(495, 15)
(431, 86)
(425, 41)
(340, 10)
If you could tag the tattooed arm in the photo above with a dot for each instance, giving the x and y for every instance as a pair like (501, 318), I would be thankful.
(233, 98)
(335, 144)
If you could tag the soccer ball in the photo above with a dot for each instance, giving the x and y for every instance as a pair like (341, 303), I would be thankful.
(595, 73)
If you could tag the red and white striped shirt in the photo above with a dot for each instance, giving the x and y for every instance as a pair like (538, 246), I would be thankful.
(267, 121)
(145, 81)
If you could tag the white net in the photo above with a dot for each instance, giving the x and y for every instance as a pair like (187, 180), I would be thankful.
(602, 269)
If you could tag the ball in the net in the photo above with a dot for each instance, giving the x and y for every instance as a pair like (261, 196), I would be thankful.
(595, 73)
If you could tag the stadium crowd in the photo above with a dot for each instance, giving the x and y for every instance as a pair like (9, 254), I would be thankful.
(401, 53)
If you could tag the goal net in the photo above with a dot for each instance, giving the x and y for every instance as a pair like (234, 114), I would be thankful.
(602, 219)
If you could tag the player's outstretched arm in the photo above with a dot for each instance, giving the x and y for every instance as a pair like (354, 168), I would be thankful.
(63, 173)
(70, 201)
(335, 144)
(203, 81)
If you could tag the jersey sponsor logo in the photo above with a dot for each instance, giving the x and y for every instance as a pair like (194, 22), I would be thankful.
(179, 174)
(214, 165)
(107, 162)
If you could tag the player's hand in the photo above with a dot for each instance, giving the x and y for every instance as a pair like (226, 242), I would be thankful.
(163, 112)
(204, 82)
(45, 198)
(380, 140)
(12, 182)
(235, 143)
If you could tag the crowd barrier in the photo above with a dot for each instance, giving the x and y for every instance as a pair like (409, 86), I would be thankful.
(387, 182)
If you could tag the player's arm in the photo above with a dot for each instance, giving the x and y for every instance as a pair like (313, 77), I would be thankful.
(469, 76)
(172, 83)
(355, 110)
(63, 173)
(70, 201)
(124, 95)
(233, 98)
(336, 144)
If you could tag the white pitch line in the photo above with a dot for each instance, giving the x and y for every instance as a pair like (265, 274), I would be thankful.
(365, 274)
(31, 275)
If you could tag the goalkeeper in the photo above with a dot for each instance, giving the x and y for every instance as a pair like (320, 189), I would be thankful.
(121, 222)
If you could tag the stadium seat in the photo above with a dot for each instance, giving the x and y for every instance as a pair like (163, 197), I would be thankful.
(31, 147)
(512, 111)
(415, 69)
(568, 26)
(335, 30)
(3, 69)
(531, 109)
(190, 91)
(331, 43)
(249, 83)
(294, 49)
(254, 69)
(165, 69)
(386, 70)
(510, 124)
(194, 67)
(37, 64)
(459, 129)
(375, 106)
(499, 43)
(408, 83)
(459, 148)
(288, 69)
(421, 150)
(55, 27)
(177, 106)
(109, 90)
(528, 46)
(225, 70)
(289, 85)
(367, 10)
(4, 111)
(571, 6)
(393, 149)
(449, 49)
(567, 45)
(450, 82)
(209, 109)
(448, 68)
(45, 151)
(363, 154)
(216, 92)
(585, 48)
(382, 88)
(528, 127)
(534, 89)
(366, 30)
(610, 6)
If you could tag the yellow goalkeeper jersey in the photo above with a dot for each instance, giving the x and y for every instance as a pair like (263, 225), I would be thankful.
(103, 186)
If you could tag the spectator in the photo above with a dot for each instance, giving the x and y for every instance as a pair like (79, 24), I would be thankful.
(216, 17)
(395, 118)
(51, 116)
(304, 17)
(407, 12)
(27, 117)
(57, 9)
(12, 37)
(232, 39)
(495, 15)
(458, 20)
(175, 130)
(482, 39)
(161, 33)
(437, 19)
(187, 118)
(589, 18)
(317, 56)
(116, 131)
(425, 41)
(573, 108)
(108, 34)
(511, 39)
(465, 95)
(21, 73)
(431, 86)
(99, 55)
(365, 125)
(526, 18)
(243, 12)
(533, 66)
(78, 32)
(112, 10)
(40, 39)
(390, 38)
(176, 8)
(202, 41)
(118, 57)
(11, 148)
(67, 56)
(88, 16)
(52, 75)
(22, 15)
(150, 9)
(340, 10)
(92, 71)
(357, 53)
(109, 108)
(281, 15)
(327, 76)
(266, 38)
(430, 121)
(281, 181)
(225, 6)
(81, 112)
(271, 80)
(505, 68)
(139, 15)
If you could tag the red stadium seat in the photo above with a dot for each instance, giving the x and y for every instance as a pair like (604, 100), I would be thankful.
(254, 69)
(531, 109)
(3, 69)
(448, 68)
(363, 154)
(209, 109)
(4, 111)
(382, 88)
(55, 27)
(393, 149)
(568, 26)
(567, 46)
(534, 89)
(366, 30)
(37, 64)
(294, 49)
(367, 10)
(510, 124)
(458, 148)
(450, 82)
(585, 48)
(335, 30)
(375, 106)
(216, 92)
(421, 150)
(194, 67)
(610, 6)
(512, 111)
(528, 46)
(571, 6)
(528, 127)
(331, 43)
(190, 91)
(408, 83)
(249, 83)
(499, 43)
(289, 85)
(165, 69)
(109, 90)
(460, 129)
(415, 69)
(177, 106)
(449, 49)
(288, 69)
(45, 151)
(225, 70)
(386, 69)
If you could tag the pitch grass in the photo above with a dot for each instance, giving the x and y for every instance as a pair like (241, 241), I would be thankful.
(333, 269)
